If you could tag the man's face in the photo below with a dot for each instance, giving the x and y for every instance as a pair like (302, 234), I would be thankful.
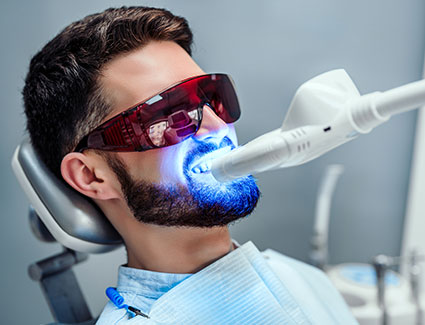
(169, 186)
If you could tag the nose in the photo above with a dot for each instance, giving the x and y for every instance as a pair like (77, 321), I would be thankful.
(211, 126)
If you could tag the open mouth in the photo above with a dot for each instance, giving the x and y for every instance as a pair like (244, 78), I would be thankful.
(203, 165)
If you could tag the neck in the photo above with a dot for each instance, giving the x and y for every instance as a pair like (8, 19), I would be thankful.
(167, 249)
(176, 250)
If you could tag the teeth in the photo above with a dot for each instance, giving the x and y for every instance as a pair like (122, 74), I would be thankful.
(202, 168)
(206, 163)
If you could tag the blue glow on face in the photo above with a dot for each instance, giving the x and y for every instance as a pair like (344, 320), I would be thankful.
(201, 202)
(237, 198)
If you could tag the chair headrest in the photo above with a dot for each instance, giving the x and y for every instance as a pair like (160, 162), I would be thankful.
(72, 218)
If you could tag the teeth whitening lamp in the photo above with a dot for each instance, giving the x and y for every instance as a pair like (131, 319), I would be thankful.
(325, 112)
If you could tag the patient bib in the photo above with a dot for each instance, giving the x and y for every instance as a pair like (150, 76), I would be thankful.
(240, 288)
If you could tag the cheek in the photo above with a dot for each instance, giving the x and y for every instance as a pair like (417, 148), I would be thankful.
(165, 165)
(232, 134)
(143, 165)
(171, 163)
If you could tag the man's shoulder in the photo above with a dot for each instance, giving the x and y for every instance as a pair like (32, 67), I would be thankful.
(276, 260)
(298, 277)
(287, 267)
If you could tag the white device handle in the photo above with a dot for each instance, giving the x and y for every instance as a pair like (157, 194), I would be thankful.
(326, 112)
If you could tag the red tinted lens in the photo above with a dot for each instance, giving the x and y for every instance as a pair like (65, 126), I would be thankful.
(167, 118)
(221, 94)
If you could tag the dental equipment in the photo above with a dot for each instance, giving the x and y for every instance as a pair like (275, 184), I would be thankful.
(381, 263)
(319, 243)
(325, 112)
(58, 213)
(415, 272)
(376, 294)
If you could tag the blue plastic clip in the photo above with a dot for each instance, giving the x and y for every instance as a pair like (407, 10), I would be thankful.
(118, 301)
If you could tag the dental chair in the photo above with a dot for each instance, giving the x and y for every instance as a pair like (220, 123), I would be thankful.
(59, 213)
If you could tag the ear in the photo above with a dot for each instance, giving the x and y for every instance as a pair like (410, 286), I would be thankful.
(90, 175)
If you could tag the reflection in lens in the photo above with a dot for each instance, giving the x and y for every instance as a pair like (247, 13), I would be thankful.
(193, 114)
(156, 133)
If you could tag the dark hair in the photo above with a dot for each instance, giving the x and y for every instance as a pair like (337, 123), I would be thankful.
(62, 97)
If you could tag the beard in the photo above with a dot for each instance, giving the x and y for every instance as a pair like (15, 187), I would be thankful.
(203, 203)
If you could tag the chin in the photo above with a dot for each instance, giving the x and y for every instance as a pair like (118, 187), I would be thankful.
(239, 196)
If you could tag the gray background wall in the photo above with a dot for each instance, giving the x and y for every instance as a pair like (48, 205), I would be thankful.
(270, 48)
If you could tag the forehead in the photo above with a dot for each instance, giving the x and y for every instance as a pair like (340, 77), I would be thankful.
(137, 75)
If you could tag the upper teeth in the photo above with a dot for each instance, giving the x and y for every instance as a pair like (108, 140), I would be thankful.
(202, 168)
(205, 164)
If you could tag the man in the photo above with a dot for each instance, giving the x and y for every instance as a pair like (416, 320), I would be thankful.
(117, 107)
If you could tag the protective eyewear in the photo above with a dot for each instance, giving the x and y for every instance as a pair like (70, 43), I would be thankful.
(167, 118)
